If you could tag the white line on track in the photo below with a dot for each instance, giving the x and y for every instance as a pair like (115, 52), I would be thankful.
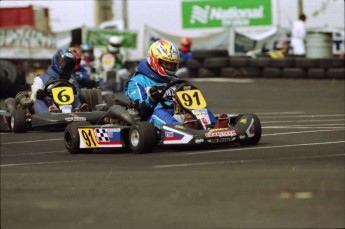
(281, 113)
(261, 147)
(40, 163)
(264, 127)
(300, 132)
(321, 125)
(225, 80)
(191, 153)
(27, 154)
(306, 116)
(246, 161)
(34, 141)
(306, 121)
(206, 152)
(302, 127)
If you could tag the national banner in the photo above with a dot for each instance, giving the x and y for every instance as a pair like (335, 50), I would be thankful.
(231, 13)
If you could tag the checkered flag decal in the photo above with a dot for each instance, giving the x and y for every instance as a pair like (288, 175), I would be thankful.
(102, 135)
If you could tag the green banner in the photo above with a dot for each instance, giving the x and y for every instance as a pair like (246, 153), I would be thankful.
(230, 13)
(99, 37)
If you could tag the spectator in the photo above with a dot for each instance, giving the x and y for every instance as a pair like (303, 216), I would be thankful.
(185, 51)
(298, 34)
(185, 55)
(62, 65)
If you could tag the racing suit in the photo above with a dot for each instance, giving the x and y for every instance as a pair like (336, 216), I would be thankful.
(184, 57)
(40, 81)
(137, 89)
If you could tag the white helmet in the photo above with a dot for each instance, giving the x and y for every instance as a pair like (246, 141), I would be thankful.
(114, 43)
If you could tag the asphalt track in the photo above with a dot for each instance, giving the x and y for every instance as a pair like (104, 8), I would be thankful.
(294, 177)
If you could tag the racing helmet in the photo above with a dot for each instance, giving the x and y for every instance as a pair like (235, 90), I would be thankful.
(163, 57)
(87, 52)
(186, 43)
(63, 62)
(114, 44)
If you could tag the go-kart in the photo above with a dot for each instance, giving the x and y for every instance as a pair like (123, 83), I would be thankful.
(128, 130)
(19, 115)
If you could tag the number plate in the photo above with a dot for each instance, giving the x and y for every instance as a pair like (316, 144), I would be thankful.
(192, 99)
(63, 95)
(99, 137)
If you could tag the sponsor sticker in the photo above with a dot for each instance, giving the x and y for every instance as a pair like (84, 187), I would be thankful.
(244, 120)
(219, 140)
(228, 133)
(199, 140)
(75, 119)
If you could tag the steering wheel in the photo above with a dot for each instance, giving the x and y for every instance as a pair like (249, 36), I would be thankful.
(59, 82)
(169, 85)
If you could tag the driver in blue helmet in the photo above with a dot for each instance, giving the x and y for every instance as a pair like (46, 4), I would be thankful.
(152, 75)
(62, 64)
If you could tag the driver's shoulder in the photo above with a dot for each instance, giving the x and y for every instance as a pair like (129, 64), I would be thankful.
(45, 77)
(143, 79)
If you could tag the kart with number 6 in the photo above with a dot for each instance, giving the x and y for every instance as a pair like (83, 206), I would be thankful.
(19, 115)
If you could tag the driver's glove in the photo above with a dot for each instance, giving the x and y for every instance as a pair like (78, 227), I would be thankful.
(154, 94)
(40, 94)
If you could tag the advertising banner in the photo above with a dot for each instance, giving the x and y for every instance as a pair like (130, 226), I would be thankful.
(216, 40)
(230, 13)
(99, 37)
(26, 44)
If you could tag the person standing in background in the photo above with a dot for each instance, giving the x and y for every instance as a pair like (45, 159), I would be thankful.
(298, 34)
(185, 51)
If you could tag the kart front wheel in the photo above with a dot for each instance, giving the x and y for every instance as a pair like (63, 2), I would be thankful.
(250, 127)
(18, 121)
(72, 140)
(142, 137)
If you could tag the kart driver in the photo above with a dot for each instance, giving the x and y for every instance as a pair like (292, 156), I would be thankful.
(152, 74)
(62, 64)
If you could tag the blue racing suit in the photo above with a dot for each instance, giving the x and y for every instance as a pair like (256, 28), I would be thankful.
(39, 83)
(137, 89)
(184, 57)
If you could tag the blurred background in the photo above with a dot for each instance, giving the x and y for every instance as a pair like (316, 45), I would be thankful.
(31, 30)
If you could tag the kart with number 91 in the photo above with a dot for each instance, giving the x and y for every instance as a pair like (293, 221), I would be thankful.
(128, 130)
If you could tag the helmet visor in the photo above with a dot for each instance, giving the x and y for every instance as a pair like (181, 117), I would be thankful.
(169, 67)
(67, 64)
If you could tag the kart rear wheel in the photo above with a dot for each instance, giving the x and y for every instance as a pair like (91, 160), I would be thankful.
(91, 97)
(18, 121)
(257, 130)
(71, 138)
(142, 137)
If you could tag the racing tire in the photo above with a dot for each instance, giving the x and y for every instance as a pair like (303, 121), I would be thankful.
(206, 53)
(238, 62)
(10, 104)
(217, 62)
(262, 62)
(18, 121)
(142, 137)
(72, 140)
(257, 130)
(8, 77)
(336, 73)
